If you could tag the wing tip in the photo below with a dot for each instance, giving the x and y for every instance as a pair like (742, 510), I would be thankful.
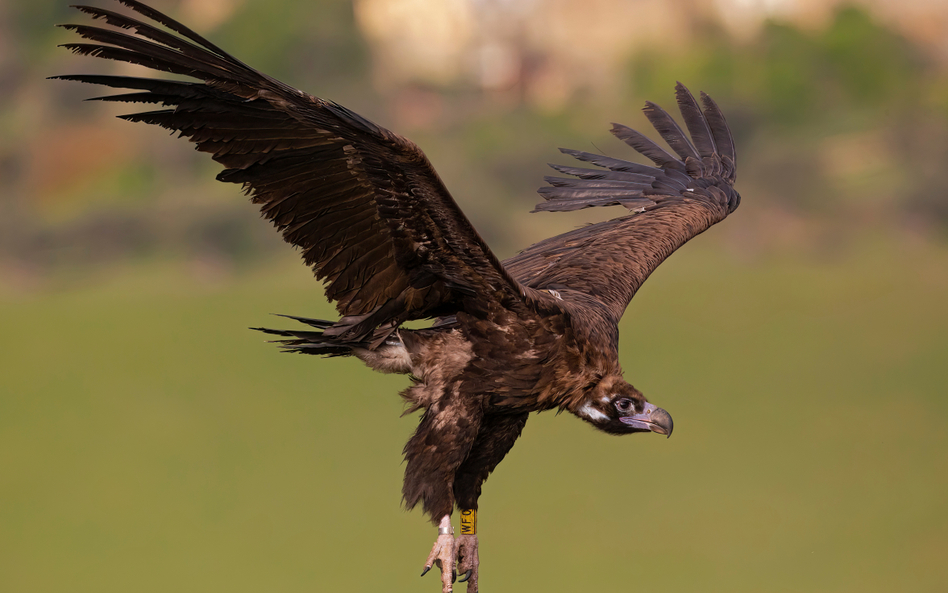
(706, 132)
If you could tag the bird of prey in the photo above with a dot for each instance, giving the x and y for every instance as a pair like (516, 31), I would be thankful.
(376, 224)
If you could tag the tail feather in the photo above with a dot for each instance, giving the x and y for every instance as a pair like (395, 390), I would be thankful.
(317, 323)
(307, 341)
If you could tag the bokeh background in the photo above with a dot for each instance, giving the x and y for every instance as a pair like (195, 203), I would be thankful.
(149, 442)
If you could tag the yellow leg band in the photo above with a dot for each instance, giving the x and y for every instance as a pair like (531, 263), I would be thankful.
(468, 521)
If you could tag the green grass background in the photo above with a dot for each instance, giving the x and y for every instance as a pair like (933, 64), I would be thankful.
(149, 442)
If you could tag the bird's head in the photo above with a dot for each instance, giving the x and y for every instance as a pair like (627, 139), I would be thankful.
(618, 408)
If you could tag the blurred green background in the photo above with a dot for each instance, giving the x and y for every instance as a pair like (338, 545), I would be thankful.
(150, 442)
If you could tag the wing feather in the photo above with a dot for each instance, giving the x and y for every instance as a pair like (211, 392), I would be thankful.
(646, 174)
(697, 123)
(669, 130)
(644, 146)
(723, 139)
(364, 205)
(601, 266)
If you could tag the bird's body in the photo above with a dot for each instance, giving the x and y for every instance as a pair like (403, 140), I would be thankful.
(374, 221)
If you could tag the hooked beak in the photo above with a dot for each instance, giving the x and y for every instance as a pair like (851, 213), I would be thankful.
(652, 418)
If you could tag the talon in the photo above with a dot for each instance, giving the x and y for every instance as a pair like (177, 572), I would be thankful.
(442, 555)
(466, 552)
(454, 575)
(425, 571)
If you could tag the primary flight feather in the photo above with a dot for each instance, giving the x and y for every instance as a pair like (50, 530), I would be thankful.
(376, 224)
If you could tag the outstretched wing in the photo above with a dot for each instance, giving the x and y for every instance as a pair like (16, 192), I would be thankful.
(603, 265)
(364, 205)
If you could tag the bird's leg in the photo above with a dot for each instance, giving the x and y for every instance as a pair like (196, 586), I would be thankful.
(466, 549)
(443, 554)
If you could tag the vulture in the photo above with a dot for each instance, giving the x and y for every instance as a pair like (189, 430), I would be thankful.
(372, 218)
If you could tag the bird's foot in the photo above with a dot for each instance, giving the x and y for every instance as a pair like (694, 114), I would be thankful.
(443, 555)
(456, 556)
(465, 547)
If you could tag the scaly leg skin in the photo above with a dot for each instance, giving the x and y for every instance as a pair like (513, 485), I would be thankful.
(465, 549)
(466, 546)
(443, 554)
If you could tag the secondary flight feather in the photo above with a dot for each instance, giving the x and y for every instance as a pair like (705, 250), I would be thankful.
(376, 224)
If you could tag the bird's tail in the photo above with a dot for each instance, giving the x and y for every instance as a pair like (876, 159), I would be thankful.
(309, 341)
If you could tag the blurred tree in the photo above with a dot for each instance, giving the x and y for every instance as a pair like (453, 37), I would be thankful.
(790, 76)
(843, 121)
(846, 124)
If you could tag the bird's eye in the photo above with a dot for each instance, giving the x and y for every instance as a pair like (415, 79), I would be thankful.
(624, 405)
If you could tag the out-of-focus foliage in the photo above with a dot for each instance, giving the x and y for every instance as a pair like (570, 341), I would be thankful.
(846, 122)
(839, 129)
(81, 188)
(149, 442)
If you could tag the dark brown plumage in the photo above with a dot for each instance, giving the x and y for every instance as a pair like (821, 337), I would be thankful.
(377, 226)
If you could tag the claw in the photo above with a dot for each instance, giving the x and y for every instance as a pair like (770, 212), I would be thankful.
(466, 553)
(454, 575)
(443, 556)
(425, 571)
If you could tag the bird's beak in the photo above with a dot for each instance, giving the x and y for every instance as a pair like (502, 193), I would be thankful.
(652, 418)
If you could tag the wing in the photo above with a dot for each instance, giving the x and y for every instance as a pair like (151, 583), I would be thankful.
(364, 205)
(603, 265)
